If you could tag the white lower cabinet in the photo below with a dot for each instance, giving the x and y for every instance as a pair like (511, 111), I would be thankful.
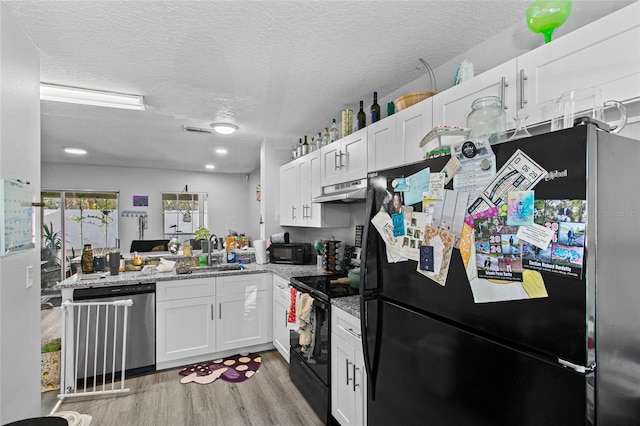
(197, 318)
(281, 305)
(185, 315)
(244, 311)
(348, 377)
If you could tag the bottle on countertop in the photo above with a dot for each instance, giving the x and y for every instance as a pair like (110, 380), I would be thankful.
(231, 250)
(333, 132)
(319, 141)
(326, 139)
(361, 117)
(305, 146)
(375, 109)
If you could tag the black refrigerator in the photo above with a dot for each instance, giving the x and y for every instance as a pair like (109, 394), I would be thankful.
(434, 356)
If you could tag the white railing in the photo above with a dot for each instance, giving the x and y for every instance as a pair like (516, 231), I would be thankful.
(94, 348)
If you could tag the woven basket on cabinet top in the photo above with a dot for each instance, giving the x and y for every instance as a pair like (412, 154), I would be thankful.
(411, 98)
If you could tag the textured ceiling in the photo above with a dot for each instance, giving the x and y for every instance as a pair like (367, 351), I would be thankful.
(278, 69)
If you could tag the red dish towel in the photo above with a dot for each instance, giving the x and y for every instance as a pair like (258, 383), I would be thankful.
(291, 318)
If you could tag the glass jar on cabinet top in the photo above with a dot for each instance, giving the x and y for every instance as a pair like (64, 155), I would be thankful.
(487, 120)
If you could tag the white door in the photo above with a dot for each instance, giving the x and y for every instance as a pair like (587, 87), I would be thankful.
(412, 124)
(452, 106)
(382, 150)
(280, 325)
(289, 193)
(315, 209)
(329, 162)
(343, 398)
(242, 320)
(354, 156)
(185, 328)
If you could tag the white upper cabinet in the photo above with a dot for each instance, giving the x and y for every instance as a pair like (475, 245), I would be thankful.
(300, 183)
(395, 140)
(344, 160)
(382, 150)
(603, 54)
(412, 124)
(452, 106)
(289, 193)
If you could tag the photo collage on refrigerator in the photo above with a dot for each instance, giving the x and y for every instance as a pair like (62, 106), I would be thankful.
(506, 236)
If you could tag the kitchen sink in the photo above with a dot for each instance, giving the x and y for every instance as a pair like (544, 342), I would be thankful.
(218, 267)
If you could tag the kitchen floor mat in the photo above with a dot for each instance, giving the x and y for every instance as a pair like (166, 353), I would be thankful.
(235, 369)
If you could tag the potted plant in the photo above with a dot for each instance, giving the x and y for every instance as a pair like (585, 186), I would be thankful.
(202, 235)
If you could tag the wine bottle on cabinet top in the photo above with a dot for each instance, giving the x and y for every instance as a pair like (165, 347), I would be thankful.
(333, 132)
(375, 108)
(361, 117)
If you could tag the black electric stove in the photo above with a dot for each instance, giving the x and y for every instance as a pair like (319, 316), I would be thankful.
(320, 286)
(310, 365)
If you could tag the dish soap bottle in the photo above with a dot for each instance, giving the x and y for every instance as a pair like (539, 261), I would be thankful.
(231, 250)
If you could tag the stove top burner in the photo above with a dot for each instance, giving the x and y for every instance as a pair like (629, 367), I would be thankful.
(321, 286)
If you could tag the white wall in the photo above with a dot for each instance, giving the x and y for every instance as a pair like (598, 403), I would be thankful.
(253, 227)
(271, 158)
(19, 159)
(228, 194)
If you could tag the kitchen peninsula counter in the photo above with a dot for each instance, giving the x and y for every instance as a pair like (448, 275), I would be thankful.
(136, 277)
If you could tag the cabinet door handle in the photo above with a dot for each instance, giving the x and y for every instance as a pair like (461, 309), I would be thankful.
(336, 155)
(354, 377)
(523, 78)
(347, 370)
(220, 310)
(293, 212)
(212, 312)
(353, 333)
(503, 87)
(286, 319)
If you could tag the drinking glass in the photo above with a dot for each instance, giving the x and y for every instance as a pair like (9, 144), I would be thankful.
(545, 16)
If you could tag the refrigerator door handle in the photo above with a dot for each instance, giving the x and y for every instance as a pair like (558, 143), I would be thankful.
(369, 276)
(370, 357)
(582, 369)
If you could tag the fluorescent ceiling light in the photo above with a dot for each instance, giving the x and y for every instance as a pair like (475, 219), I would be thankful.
(224, 128)
(210, 166)
(75, 95)
(221, 151)
(75, 151)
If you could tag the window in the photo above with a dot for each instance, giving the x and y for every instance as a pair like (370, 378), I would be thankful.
(183, 212)
(70, 220)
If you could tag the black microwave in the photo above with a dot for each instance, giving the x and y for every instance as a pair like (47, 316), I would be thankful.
(292, 253)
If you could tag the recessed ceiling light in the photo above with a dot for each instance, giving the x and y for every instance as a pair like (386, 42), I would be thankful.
(224, 128)
(76, 95)
(221, 151)
(210, 166)
(75, 151)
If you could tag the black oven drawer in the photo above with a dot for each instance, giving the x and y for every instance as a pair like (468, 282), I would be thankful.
(310, 386)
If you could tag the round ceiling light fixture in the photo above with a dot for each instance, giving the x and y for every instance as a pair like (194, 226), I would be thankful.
(221, 151)
(210, 166)
(75, 151)
(224, 128)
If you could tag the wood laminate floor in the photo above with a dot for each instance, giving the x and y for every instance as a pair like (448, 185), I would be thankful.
(159, 399)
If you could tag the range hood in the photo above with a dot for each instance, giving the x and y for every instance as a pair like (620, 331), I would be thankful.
(348, 192)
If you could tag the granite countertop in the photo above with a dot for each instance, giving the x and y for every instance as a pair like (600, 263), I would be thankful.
(349, 304)
(135, 277)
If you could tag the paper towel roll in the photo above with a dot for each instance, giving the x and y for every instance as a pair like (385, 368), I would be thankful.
(261, 251)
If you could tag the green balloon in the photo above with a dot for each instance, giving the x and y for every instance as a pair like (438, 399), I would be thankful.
(545, 16)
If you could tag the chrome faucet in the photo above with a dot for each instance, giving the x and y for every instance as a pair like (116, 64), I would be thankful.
(213, 240)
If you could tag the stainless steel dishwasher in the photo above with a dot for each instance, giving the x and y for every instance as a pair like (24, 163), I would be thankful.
(141, 330)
